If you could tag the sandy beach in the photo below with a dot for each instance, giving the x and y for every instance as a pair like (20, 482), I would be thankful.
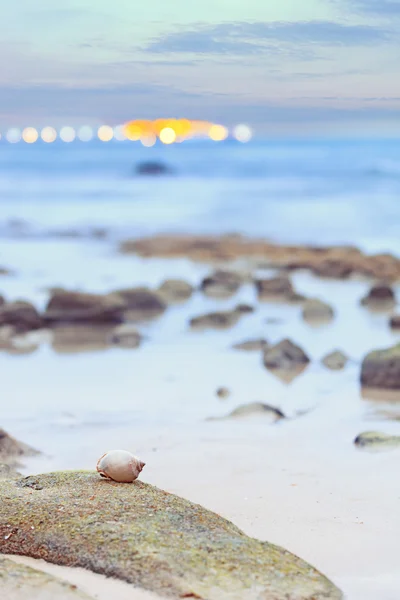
(299, 482)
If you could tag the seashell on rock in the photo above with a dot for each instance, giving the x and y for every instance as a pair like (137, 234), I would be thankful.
(120, 466)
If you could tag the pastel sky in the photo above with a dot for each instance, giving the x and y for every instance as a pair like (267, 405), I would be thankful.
(279, 65)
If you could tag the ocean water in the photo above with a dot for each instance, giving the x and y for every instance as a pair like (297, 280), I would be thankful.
(309, 191)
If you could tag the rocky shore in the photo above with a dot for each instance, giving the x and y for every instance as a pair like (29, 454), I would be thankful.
(149, 538)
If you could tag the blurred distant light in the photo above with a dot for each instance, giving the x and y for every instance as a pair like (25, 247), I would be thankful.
(67, 134)
(48, 134)
(218, 133)
(105, 133)
(133, 131)
(30, 135)
(13, 135)
(148, 140)
(242, 133)
(119, 133)
(85, 133)
(167, 135)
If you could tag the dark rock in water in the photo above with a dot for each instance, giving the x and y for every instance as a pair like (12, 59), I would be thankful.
(252, 345)
(333, 269)
(20, 582)
(23, 316)
(175, 291)
(381, 369)
(380, 297)
(277, 289)
(79, 307)
(74, 338)
(221, 284)
(149, 538)
(223, 392)
(395, 322)
(335, 361)
(316, 312)
(376, 440)
(285, 356)
(245, 309)
(11, 449)
(152, 168)
(216, 320)
(5, 271)
(125, 336)
(141, 304)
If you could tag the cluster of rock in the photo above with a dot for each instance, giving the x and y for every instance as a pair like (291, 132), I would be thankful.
(332, 262)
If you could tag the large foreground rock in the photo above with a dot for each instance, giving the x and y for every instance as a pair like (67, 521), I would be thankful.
(20, 582)
(150, 538)
(381, 369)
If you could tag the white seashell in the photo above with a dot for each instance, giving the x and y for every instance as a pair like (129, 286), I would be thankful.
(120, 465)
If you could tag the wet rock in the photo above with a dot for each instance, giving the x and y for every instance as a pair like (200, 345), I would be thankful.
(71, 339)
(126, 336)
(338, 262)
(256, 409)
(245, 309)
(380, 297)
(335, 361)
(170, 546)
(395, 322)
(5, 271)
(333, 269)
(252, 345)
(277, 289)
(376, 440)
(141, 304)
(175, 291)
(20, 582)
(22, 316)
(315, 312)
(285, 356)
(11, 449)
(216, 320)
(381, 369)
(221, 284)
(79, 307)
(152, 168)
(223, 392)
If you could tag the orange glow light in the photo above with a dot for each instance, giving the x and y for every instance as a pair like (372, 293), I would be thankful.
(167, 135)
(218, 133)
(48, 134)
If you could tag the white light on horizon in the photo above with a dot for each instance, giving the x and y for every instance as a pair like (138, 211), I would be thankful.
(30, 135)
(119, 134)
(85, 133)
(67, 134)
(242, 133)
(13, 135)
(48, 134)
(105, 133)
(148, 140)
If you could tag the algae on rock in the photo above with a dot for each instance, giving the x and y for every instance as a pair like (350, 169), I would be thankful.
(150, 538)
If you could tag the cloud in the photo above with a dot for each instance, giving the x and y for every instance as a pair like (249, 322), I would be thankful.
(385, 8)
(247, 39)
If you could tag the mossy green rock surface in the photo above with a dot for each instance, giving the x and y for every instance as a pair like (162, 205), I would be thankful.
(19, 582)
(145, 536)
